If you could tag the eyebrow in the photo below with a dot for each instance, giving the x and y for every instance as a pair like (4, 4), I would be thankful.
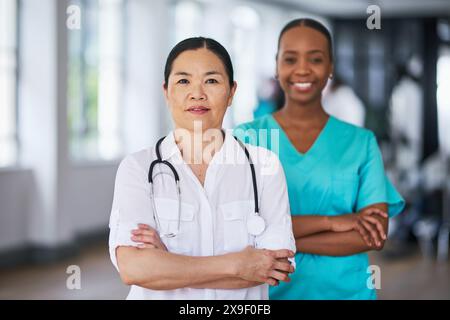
(182, 73)
(209, 73)
(311, 51)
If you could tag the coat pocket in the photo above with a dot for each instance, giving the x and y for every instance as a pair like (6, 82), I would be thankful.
(180, 223)
(235, 232)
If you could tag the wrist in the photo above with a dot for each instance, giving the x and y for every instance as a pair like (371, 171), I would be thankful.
(233, 264)
(329, 220)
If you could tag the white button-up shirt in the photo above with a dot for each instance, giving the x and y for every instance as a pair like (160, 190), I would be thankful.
(213, 216)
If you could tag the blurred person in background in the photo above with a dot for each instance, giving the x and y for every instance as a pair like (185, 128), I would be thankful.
(340, 101)
(270, 98)
(420, 180)
(406, 114)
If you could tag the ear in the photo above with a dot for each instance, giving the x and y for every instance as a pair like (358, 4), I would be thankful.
(276, 67)
(232, 92)
(164, 87)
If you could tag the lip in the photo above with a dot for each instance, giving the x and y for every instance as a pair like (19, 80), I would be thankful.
(198, 110)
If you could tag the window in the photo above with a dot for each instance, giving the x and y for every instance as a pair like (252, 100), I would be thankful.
(443, 83)
(8, 81)
(443, 98)
(188, 15)
(245, 23)
(96, 77)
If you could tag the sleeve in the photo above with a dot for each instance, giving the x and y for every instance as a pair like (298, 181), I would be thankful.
(274, 207)
(131, 205)
(374, 186)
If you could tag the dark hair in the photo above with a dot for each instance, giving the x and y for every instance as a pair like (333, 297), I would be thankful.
(314, 24)
(198, 43)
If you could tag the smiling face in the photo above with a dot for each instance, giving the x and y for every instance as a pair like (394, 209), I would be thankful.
(303, 64)
(198, 89)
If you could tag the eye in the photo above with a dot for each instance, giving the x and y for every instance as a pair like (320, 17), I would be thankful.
(212, 81)
(183, 81)
(316, 60)
(289, 60)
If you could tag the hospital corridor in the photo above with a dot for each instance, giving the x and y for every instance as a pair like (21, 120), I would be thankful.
(84, 84)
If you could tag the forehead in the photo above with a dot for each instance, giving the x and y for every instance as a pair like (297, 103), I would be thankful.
(302, 38)
(198, 60)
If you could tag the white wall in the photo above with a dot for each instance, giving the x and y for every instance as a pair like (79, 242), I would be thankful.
(15, 190)
(48, 200)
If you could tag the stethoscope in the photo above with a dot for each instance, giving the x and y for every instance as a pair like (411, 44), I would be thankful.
(255, 223)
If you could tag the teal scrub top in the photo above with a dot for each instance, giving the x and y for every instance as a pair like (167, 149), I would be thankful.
(341, 173)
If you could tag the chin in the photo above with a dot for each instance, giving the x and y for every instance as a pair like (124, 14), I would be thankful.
(198, 124)
(305, 99)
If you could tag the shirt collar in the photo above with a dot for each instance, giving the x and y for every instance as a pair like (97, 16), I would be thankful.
(169, 147)
(230, 153)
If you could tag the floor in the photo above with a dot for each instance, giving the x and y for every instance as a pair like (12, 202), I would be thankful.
(408, 278)
(99, 279)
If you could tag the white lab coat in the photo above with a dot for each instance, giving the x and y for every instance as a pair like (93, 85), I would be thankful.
(406, 112)
(213, 216)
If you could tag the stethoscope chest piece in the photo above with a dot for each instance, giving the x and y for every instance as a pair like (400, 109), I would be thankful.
(255, 225)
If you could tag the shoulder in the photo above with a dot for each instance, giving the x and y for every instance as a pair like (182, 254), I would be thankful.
(347, 129)
(260, 151)
(260, 131)
(258, 123)
(266, 161)
(350, 142)
(138, 160)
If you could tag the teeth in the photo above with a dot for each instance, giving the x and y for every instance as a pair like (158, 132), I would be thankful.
(303, 85)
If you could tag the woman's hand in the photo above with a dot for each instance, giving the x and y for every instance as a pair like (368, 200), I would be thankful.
(364, 222)
(147, 237)
(262, 265)
(370, 228)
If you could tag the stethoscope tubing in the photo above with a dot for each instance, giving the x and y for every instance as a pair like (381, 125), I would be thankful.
(159, 160)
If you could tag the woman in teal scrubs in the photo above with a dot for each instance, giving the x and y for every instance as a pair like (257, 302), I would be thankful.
(339, 194)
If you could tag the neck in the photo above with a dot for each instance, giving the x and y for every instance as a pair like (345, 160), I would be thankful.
(199, 147)
(303, 113)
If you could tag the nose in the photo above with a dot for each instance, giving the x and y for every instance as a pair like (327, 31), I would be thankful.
(197, 93)
(303, 67)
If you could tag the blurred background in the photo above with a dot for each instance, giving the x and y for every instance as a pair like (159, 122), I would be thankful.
(81, 86)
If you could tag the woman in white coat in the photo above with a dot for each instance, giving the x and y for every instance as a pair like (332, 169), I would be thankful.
(200, 215)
